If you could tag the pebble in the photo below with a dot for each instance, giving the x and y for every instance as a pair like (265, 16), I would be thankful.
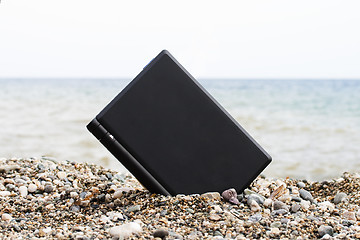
(161, 233)
(306, 195)
(295, 207)
(349, 215)
(214, 217)
(268, 202)
(324, 229)
(6, 217)
(255, 218)
(230, 196)
(212, 196)
(280, 205)
(305, 205)
(61, 175)
(10, 187)
(23, 191)
(125, 230)
(254, 206)
(301, 184)
(5, 193)
(48, 188)
(275, 224)
(32, 188)
(279, 212)
(134, 208)
(255, 197)
(340, 197)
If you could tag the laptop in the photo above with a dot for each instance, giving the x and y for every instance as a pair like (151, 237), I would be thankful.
(173, 136)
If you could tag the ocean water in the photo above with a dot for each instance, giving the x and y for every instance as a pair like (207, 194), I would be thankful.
(311, 128)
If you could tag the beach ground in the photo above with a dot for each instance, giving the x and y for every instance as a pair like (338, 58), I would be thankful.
(46, 199)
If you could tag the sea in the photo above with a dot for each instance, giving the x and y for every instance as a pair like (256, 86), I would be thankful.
(311, 128)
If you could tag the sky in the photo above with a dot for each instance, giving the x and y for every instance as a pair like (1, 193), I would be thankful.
(211, 39)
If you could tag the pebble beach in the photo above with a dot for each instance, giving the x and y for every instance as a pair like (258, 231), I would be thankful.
(42, 198)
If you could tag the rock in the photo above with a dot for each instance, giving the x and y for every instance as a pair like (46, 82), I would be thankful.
(280, 205)
(134, 208)
(306, 195)
(23, 191)
(248, 192)
(4, 193)
(10, 187)
(268, 202)
(255, 218)
(305, 205)
(324, 229)
(118, 194)
(45, 231)
(32, 188)
(295, 207)
(75, 208)
(326, 237)
(327, 206)
(6, 217)
(48, 188)
(275, 231)
(212, 196)
(230, 196)
(255, 197)
(214, 217)
(296, 199)
(162, 233)
(279, 212)
(74, 195)
(340, 197)
(254, 206)
(61, 175)
(348, 215)
(125, 230)
(300, 184)
(275, 224)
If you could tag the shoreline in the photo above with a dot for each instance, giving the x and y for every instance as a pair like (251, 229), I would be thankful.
(43, 198)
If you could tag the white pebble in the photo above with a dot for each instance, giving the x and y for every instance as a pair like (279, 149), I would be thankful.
(4, 193)
(23, 191)
(268, 202)
(305, 205)
(254, 206)
(326, 205)
(6, 217)
(74, 194)
(32, 188)
(61, 175)
(125, 230)
(117, 194)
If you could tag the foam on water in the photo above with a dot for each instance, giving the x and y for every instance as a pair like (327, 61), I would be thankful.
(310, 128)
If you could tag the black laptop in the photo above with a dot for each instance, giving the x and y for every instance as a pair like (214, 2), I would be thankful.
(167, 130)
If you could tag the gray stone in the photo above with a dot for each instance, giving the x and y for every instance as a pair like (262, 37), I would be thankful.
(75, 208)
(295, 198)
(285, 221)
(161, 233)
(83, 195)
(295, 207)
(306, 195)
(280, 205)
(255, 218)
(275, 224)
(134, 208)
(10, 187)
(255, 197)
(248, 192)
(174, 235)
(48, 188)
(341, 196)
(324, 229)
(301, 184)
(279, 212)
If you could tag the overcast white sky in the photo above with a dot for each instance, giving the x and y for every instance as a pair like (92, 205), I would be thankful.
(222, 39)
